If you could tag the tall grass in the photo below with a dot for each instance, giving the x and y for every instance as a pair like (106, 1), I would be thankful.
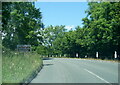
(0, 69)
(18, 66)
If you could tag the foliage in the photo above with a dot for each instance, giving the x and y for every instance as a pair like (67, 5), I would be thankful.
(101, 23)
(50, 36)
(42, 50)
(100, 33)
(21, 24)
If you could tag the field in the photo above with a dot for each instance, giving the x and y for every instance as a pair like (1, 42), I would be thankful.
(16, 67)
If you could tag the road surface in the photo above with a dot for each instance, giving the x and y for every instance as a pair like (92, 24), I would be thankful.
(64, 70)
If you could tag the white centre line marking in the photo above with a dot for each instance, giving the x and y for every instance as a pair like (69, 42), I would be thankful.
(97, 76)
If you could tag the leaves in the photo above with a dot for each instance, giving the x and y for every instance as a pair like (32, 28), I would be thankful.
(99, 33)
(21, 24)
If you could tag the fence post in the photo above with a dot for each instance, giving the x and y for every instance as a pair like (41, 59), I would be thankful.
(115, 55)
(77, 55)
(85, 56)
(96, 54)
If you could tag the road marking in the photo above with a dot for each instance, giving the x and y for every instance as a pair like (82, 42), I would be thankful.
(97, 76)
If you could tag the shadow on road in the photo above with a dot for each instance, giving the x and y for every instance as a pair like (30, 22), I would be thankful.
(46, 58)
(47, 64)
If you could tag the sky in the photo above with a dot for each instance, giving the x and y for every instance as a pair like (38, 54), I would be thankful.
(69, 14)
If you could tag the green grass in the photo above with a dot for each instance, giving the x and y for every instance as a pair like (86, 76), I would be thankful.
(0, 70)
(19, 66)
(101, 59)
(89, 59)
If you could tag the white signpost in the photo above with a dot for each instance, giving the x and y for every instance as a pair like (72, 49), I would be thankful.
(96, 54)
(85, 56)
(115, 55)
(77, 55)
(60, 55)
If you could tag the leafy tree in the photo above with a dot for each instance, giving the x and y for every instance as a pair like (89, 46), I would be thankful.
(21, 24)
(50, 34)
(42, 50)
(101, 22)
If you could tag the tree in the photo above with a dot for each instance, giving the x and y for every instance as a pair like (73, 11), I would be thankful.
(50, 34)
(21, 24)
(102, 21)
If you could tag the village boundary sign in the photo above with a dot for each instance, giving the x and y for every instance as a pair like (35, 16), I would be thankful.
(24, 48)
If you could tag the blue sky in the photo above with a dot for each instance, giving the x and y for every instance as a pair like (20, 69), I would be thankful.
(62, 13)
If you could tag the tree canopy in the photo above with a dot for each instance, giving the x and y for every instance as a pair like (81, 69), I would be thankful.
(21, 24)
(100, 32)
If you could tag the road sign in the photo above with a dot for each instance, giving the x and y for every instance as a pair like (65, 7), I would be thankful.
(24, 48)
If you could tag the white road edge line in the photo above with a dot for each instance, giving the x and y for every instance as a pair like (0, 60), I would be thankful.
(97, 76)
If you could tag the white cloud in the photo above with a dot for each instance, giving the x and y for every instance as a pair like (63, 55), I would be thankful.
(69, 27)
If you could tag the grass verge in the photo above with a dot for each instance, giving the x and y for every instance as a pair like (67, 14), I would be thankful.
(0, 69)
(115, 60)
(16, 67)
(102, 60)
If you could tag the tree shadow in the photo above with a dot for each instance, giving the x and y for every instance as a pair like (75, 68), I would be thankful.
(47, 64)
(47, 58)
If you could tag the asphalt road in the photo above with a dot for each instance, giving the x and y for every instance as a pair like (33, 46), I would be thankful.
(63, 70)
